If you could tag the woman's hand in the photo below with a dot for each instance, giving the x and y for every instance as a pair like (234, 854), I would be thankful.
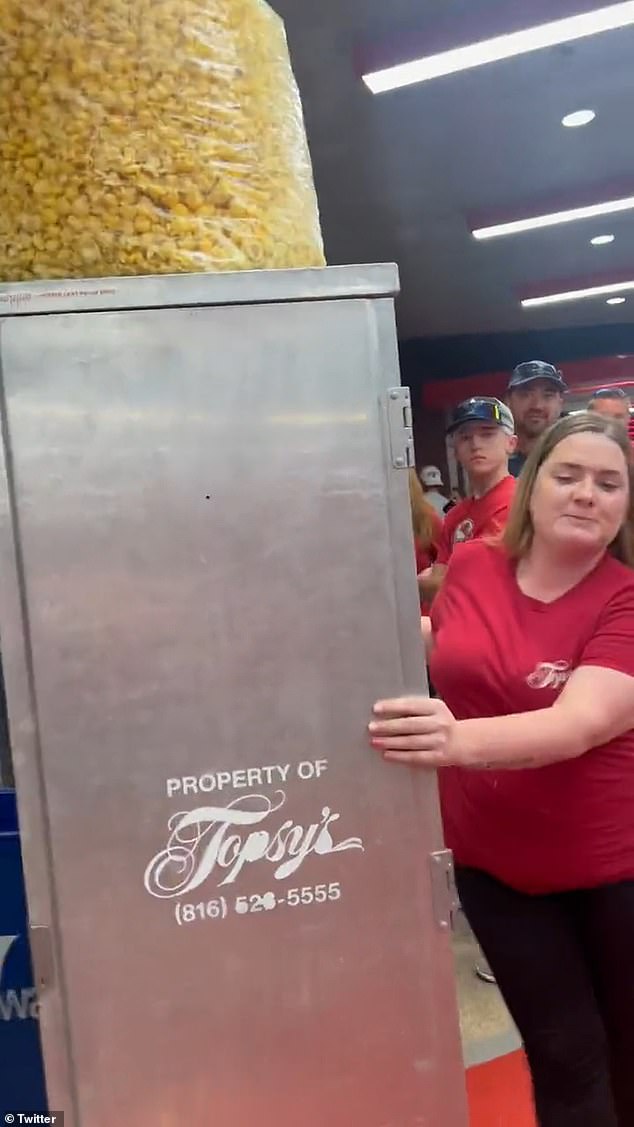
(430, 581)
(415, 731)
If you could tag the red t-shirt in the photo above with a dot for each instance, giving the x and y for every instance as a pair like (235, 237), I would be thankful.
(498, 652)
(476, 517)
(425, 557)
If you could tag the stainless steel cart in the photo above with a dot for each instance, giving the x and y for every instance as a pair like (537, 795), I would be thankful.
(239, 913)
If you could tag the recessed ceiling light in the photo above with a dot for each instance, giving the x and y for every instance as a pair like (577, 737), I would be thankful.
(532, 223)
(601, 240)
(616, 301)
(579, 117)
(607, 18)
(577, 295)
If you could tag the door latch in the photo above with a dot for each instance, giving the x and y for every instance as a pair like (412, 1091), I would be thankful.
(444, 891)
(399, 418)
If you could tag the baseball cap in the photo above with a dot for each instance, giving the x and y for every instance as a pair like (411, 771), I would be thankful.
(609, 393)
(431, 475)
(536, 370)
(482, 409)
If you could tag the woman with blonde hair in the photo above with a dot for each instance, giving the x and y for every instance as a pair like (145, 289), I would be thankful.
(426, 524)
(531, 646)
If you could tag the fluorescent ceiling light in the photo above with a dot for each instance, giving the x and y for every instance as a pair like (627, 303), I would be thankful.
(616, 301)
(579, 117)
(577, 295)
(601, 240)
(518, 226)
(567, 30)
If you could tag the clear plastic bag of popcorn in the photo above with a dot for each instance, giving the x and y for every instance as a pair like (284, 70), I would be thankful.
(150, 136)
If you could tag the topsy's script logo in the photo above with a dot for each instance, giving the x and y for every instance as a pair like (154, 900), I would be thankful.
(256, 833)
(20, 1004)
(549, 675)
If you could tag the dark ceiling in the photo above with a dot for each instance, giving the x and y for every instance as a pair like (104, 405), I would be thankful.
(398, 174)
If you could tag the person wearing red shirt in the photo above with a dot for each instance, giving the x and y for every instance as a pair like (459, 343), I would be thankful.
(427, 529)
(482, 431)
(426, 524)
(535, 733)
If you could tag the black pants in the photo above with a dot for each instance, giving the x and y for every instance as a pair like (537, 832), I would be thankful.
(565, 966)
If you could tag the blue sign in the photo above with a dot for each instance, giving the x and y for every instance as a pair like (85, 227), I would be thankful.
(22, 1083)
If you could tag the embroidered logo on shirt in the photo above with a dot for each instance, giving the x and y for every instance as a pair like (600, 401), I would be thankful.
(549, 675)
(463, 532)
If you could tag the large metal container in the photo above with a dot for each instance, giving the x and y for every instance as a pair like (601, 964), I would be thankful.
(239, 913)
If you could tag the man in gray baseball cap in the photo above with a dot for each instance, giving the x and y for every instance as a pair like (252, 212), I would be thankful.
(612, 403)
(536, 397)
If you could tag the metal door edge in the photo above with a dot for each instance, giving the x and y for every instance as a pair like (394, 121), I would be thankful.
(32, 814)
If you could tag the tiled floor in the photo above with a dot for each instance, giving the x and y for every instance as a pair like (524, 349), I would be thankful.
(487, 1029)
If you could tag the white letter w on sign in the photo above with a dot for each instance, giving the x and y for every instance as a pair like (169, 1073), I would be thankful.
(6, 943)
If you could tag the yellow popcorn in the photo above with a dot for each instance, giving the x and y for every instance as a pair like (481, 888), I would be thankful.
(150, 136)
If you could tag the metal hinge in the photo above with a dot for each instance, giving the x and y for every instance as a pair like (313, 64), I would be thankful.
(42, 957)
(399, 418)
(444, 892)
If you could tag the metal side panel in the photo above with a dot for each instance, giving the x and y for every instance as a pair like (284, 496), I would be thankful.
(207, 579)
(27, 766)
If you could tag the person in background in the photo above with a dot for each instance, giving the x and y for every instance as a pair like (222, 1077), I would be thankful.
(536, 397)
(534, 739)
(612, 403)
(431, 481)
(427, 528)
(426, 524)
(482, 430)
(483, 436)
